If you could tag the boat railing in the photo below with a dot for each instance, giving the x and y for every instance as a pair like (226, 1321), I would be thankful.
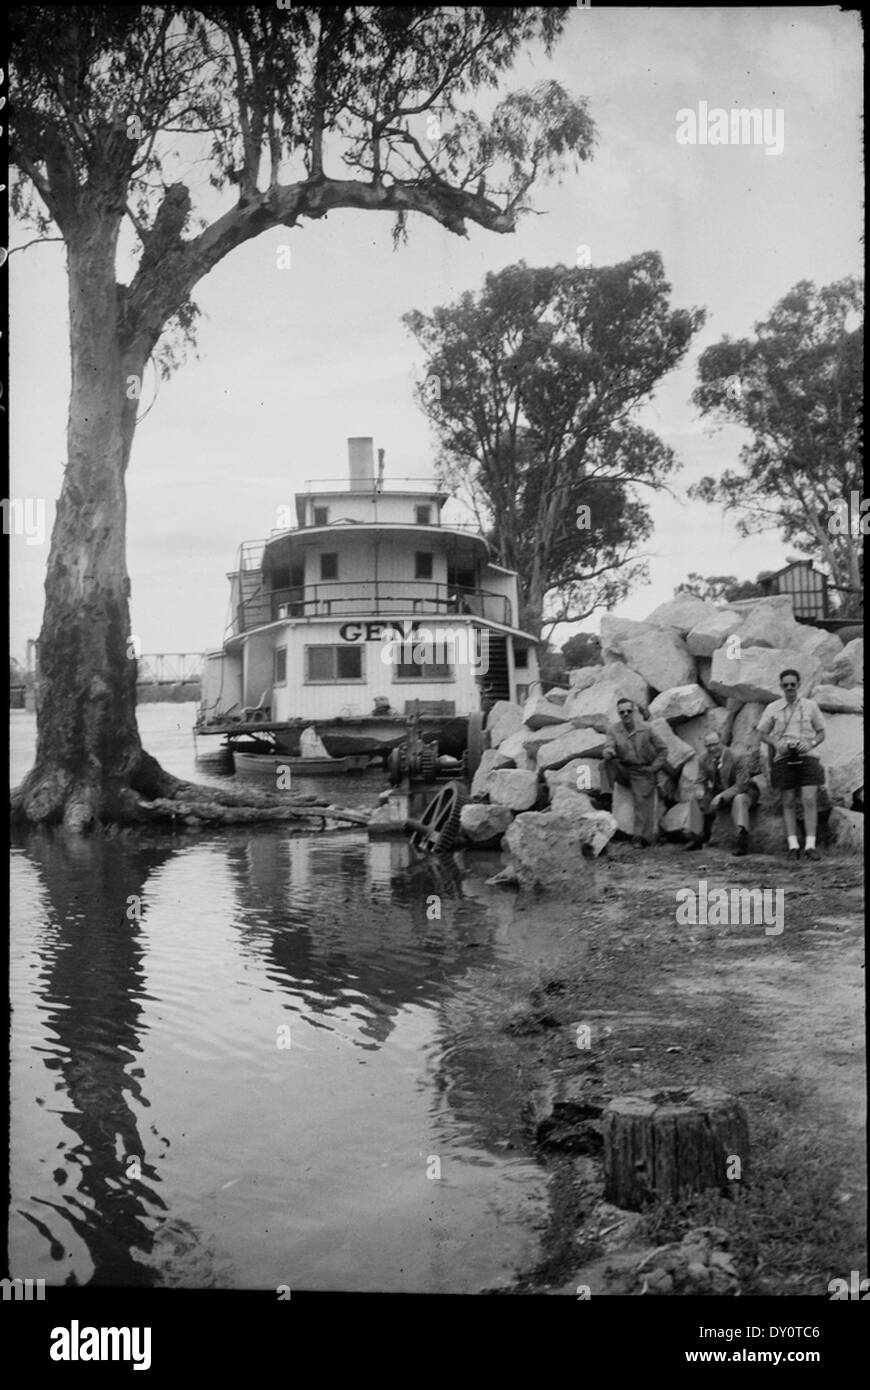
(333, 599)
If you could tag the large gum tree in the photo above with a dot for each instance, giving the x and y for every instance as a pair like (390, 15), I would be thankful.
(297, 111)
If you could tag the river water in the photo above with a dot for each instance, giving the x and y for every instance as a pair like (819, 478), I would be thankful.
(251, 1058)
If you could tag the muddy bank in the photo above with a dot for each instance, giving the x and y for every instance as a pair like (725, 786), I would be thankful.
(774, 1019)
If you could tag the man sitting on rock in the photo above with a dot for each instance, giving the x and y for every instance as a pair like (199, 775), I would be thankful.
(632, 756)
(724, 782)
(791, 728)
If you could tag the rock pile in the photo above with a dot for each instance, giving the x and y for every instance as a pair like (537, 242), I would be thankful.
(692, 668)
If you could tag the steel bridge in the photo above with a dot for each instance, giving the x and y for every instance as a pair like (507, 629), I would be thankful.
(169, 668)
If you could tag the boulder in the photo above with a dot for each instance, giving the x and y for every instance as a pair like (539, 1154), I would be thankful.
(679, 703)
(771, 625)
(513, 788)
(595, 707)
(581, 774)
(687, 783)
(491, 759)
(838, 699)
(679, 752)
(596, 827)
(534, 738)
(503, 720)
(614, 631)
(682, 613)
(754, 675)
(784, 602)
(846, 830)
(825, 645)
(546, 852)
(847, 668)
(676, 819)
(484, 825)
(623, 809)
(745, 723)
(842, 756)
(541, 713)
(714, 721)
(578, 743)
(660, 655)
(584, 676)
(558, 695)
(708, 635)
(513, 748)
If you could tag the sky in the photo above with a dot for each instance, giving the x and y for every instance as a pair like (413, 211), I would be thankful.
(290, 362)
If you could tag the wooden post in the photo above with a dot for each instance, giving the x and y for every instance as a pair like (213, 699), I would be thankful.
(666, 1143)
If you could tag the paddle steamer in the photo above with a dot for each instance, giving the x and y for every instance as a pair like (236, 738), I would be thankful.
(369, 627)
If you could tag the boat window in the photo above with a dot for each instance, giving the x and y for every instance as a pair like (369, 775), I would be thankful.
(321, 516)
(521, 658)
(333, 663)
(425, 661)
(423, 516)
(279, 676)
(423, 564)
(329, 566)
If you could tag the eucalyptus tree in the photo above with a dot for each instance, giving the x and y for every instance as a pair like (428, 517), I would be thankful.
(296, 112)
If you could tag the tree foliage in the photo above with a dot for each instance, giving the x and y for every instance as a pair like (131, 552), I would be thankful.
(722, 589)
(583, 649)
(796, 387)
(531, 388)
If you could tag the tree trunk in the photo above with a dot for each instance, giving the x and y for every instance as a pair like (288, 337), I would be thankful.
(89, 759)
(662, 1145)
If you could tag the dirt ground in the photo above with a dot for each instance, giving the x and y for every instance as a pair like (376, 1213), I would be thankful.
(776, 1020)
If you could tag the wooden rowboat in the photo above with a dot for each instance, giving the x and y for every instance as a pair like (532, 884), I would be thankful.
(269, 764)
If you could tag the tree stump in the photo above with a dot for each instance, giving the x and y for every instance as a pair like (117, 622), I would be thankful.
(664, 1144)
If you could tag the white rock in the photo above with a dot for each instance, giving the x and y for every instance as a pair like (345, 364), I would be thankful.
(623, 808)
(558, 695)
(854, 652)
(688, 780)
(679, 752)
(676, 818)
(578, 743)
(839, 699)
(515, 789)
(715, 721)
(771, 625)
(755, 674)
(503, 720)
(584, 676)
(595, 708)
(825, 645)
(847, 669)
(491, 759)
(842, 756)
(680, 703)
(539, 713)
(708, 635)
(748, 605)
(745, 723)
(546, 851)
(483, 824)
(846, 830)
(581, 774)
(513, 748)
(614, 631)
(533, 738)
(597, 827)
(682, 613)
(660, 655)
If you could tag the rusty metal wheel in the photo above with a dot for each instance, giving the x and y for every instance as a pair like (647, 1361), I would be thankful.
(436, 830)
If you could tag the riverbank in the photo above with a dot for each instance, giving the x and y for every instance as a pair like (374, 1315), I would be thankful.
(774, 1019)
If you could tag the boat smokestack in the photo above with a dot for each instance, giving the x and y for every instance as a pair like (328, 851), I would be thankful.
(361, 462)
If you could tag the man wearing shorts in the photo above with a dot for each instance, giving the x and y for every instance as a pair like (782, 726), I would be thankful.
(791, 728)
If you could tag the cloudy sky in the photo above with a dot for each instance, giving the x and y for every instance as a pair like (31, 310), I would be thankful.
(293, 361)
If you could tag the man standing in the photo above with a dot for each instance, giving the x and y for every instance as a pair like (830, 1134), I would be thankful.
(791, 728)
(724, 780)
(633, 754)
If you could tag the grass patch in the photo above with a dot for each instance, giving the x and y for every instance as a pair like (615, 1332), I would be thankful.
(787, 1228)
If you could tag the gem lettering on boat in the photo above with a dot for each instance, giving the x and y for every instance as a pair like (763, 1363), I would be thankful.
(102, 1344)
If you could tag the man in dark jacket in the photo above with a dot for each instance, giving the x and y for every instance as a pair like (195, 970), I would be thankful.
(633, 755)
(724, 782)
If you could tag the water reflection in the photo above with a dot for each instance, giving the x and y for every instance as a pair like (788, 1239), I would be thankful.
(254, 1166)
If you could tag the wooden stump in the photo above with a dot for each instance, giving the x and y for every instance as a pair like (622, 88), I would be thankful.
(664, 1144)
